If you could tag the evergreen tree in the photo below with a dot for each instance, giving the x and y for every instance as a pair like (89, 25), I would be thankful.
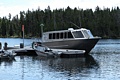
(104, 23)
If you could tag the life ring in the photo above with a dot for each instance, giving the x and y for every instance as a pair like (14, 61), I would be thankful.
(36, 44)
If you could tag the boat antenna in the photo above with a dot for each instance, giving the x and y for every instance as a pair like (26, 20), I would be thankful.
(74, 24)
(79, 17)
(54, 21)
(41, 29)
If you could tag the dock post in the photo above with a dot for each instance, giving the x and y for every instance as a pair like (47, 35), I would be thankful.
(5, 46)
(41, 29)
(0, 45)
(23, 35)
(21, 45)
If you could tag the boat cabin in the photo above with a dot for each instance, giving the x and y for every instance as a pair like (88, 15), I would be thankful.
(67, 34)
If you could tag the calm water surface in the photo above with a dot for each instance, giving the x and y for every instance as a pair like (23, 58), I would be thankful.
(103, 63)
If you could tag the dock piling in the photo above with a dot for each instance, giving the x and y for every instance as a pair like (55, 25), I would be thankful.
(5, 46)
(0, 45)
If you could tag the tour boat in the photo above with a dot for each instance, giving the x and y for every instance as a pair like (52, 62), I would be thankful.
(75, 39)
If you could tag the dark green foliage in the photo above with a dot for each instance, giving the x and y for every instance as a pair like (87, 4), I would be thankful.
(104, 23)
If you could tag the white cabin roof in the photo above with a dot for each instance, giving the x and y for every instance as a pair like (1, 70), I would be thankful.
(69, 29)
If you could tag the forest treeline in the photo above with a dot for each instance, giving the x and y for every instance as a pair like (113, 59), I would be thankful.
(102, 22)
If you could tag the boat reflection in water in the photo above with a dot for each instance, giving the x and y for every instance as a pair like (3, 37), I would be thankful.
(90, 62)
(6, 62)
(71, 65)
(42, 68)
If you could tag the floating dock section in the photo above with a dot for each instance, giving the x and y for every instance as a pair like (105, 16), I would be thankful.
(29, 51)
(23, 51)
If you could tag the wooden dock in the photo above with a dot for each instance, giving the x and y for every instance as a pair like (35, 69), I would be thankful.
(23, 51)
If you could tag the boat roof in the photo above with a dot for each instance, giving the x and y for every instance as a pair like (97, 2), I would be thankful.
(69, 29)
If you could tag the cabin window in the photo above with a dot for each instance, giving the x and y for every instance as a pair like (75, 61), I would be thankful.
(90, 34)
(65, 35)
(50, 36)
(78, 34)
(53, 35)
(61, 35)
(70, 35)
(57, 35)
(86, 34)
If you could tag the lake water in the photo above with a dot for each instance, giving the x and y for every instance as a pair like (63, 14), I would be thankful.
(103, 63)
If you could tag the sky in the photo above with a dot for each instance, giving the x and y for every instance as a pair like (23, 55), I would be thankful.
(15, 6)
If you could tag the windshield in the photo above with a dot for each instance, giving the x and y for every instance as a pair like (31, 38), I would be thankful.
(78, 34)
(87, 33)
(90, 34)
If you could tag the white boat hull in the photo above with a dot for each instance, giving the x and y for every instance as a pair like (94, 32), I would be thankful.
(46, 52)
